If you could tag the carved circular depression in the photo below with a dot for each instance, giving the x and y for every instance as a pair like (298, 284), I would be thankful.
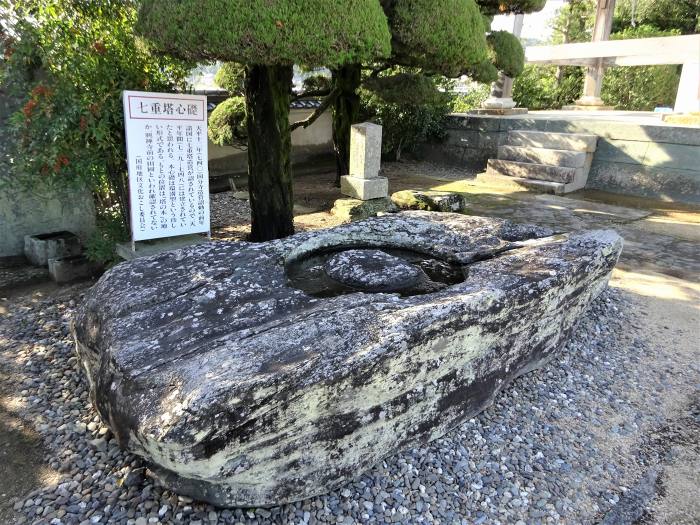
(338, 271)
(371, 270)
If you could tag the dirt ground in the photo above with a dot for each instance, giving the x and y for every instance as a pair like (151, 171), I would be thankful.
(660, 268)
(22, 457)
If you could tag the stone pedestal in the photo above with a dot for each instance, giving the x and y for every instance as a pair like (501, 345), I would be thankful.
(364, 189)
(500, 101)
(585, 107)
(497, 111)
(364, 182)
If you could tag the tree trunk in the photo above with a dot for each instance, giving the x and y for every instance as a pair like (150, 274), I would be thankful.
(267, 92)
(346, 112)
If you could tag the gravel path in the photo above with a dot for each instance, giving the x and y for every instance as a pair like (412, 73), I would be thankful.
(565, 444)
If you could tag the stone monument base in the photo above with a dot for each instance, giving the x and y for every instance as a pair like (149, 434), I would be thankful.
(580, 107)
(364, 189)
(154, 246)
(498, 111)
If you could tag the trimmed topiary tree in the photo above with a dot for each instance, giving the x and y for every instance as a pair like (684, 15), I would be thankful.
(227, 123)
(434, 37)
(268, 37)
(507, 54)
(442, 36)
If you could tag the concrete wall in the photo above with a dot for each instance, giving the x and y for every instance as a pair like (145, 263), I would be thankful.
(660, 161)
(40, 209)
(307, 144)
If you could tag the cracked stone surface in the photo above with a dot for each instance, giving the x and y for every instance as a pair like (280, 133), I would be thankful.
(242, 390)
(372, 270)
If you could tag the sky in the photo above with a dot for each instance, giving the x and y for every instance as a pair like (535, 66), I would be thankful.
(535, 26)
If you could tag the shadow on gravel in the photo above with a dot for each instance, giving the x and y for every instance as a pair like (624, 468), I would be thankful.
(661, 449)
(22, 466)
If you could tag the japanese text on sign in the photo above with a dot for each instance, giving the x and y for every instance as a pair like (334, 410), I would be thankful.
(166, 138)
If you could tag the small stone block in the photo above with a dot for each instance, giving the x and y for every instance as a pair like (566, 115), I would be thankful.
(73, 268)
(38, 249)
(365, 150)
(364, 189)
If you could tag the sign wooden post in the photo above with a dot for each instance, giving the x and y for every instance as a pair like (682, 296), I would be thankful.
(166, 145)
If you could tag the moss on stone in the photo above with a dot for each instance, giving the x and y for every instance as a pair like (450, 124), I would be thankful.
(227, 125)
(445, 36)
(506, 52)
(357, 210)
(428, 200)
(285, 32)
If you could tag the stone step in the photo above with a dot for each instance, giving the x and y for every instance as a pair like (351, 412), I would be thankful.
(552, 157)
(546, 139)
(505, 181)
(528, 170)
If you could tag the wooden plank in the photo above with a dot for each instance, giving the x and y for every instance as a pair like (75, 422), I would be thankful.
(638, 52)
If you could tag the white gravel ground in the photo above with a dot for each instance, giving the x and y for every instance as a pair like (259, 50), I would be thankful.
(565, 444)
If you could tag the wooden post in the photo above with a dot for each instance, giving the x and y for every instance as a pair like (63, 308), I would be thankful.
(593, 81)
(688, 96)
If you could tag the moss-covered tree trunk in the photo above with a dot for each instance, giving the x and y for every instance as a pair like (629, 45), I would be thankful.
(346, 112)
(267, 91)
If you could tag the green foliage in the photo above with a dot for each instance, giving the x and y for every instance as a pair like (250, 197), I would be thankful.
(231, 77)
(499, 7)
(508, 54)
(405, 122)
(405, 88)
(681, 15)
(537, 87)
(626, 88)
(100, 246)
(640, 88)
(472, 99)
(574, 22)
(71, 61)
(285, 32)
(227, 124)
(442, 36)
(317, 83)
(484, 72)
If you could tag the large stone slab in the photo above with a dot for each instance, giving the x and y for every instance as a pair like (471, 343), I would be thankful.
(240, 388)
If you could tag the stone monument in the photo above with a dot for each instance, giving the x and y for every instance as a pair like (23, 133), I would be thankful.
(255, 374)
(364, 182)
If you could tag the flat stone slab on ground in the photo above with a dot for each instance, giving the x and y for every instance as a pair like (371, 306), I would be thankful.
(356, 209)
(428, 200)
(243, 390)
